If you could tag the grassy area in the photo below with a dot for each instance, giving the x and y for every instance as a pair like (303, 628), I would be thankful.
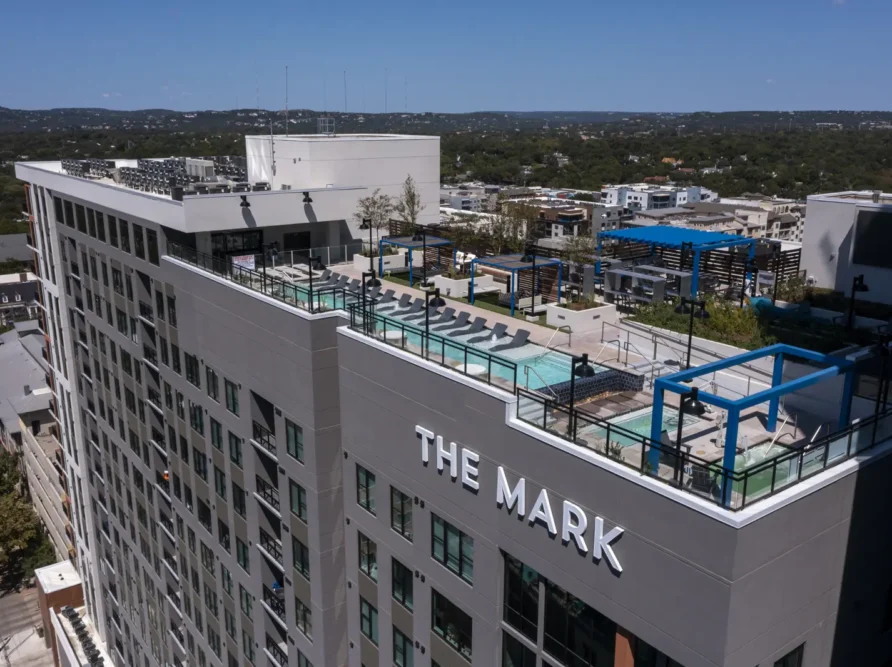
(741, 327)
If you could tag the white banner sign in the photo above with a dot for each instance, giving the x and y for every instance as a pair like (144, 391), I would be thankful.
(244, 261)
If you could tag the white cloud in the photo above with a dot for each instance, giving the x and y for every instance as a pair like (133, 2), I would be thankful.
(770, 82)
(164, 88)
(839, 3)
(107, 95)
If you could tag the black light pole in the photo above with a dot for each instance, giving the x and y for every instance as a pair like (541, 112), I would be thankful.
(748, 269)
(858, 285)
(431, 300)
(689, 404)
(698, 310)
(686, 247)
(365, 299)
(579, 367)
(367, 224)
(421, 235)
(882, 348)
(273, 249)
(529, 255)
(315, 265)
(777, 256)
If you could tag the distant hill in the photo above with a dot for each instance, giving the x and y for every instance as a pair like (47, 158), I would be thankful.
(304, 121)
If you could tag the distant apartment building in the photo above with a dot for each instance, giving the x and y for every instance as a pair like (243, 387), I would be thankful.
(28, 428)
(18, 297)
(472, 197)
(645, 196)
(786, 217)
(848, 234)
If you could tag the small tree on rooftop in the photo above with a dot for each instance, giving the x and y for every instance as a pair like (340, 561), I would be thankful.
(377, 209)
(408, 207)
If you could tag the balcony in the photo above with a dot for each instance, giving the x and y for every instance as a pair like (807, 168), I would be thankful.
(79, 305)
(75, 271)
(264, 440)
(270, 547)
(171, 564)
(275, 652)
(157, 439)
(163, 484)
(268, 493)
(150, 356)
(146, 314)
(167, 526)
(275, 601)
(29, 241)
(177, 634)
(154, 398)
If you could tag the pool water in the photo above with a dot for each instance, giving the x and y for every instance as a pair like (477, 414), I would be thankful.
(545, 367)
(640, 422)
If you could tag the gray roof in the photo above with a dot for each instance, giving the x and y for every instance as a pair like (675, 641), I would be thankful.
(26, 326)
(20, 369)
(26, 290)
(14, 246)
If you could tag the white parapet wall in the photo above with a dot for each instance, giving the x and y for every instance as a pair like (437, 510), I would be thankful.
(580, 321)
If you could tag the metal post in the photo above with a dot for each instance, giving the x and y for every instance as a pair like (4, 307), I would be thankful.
(690, 338)
(681, 404)
(777, 256)
(424, 258)
(572, 396)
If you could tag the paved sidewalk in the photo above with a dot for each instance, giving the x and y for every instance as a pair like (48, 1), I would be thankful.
(19, 616)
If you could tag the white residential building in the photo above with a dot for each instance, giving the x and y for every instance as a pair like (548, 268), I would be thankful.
(645, 197)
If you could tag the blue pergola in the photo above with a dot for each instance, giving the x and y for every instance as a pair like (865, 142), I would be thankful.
(664, 236)
(833, 366)
(410, 243)
(514, 264)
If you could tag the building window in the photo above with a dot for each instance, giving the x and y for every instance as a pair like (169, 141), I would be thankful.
(125, 235)
(152, 243)
(403, 652)
(521, 597)
(368, 620)
(235, 449)
(172, 310)
(175, 358)
(213, 383)
(301, 557)
(192, 371)
(231, 396)
(196, 418)
(402, 583)
(238, 499)
(452, 624)
(304, 618)
(226, 576)
(298, 497)
(139, 246)
(452, 548)
(365, 489)
(401, 513)
(242, 555)
(216, 433)
(220, 482)
(515, 654)
(368, 557)
(793, 658)
(574, 632)
(295, 440)
(647, 656)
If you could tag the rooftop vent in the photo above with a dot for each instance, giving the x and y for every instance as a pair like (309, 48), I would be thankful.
(325, 125)
(876, 196)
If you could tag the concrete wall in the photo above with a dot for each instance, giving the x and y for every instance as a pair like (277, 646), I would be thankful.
(699, 589)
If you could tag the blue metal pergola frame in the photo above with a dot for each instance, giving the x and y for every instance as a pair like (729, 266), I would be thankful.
(834, 366)
(662, 236)
(407, 242)
(513, 264)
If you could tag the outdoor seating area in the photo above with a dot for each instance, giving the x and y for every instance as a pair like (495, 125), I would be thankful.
(429, 255)
(531, 279)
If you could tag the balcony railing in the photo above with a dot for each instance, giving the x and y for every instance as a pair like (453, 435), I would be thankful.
(442, 350)
(146, 312)
(277, 604)
(172, 562)
(150, 354)
(278, 654)
(166, 522)
(155, 398)
(164, 484)
(264, 436)
(298, 294)
(268, 492)
(271, 546)
(732, 489)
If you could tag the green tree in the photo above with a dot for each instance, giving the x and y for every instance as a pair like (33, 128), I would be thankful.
(19, 526)
(408, 207)
(376, 208)
(10, 473)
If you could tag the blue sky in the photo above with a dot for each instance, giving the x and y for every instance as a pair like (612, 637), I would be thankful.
(644, 55)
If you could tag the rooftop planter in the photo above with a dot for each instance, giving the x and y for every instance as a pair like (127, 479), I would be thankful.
(392, 259)
(580, 316)
(458, 284)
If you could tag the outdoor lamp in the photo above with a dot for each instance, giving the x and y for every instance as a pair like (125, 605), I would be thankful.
(316, 264)
(307, 198)
(698, 310)
(245, 203)
(858, 285)
(579, 368)
(367, 224)
(373, 281)
(436, 301)
(417, 236)
(694, 406)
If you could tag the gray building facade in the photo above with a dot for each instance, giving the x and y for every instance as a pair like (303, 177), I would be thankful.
(254, 483)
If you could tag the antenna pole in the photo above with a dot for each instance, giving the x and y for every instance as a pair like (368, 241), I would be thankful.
(385, 89)
(324, 92)
(345, 91)
(406, 93)
(286, 100)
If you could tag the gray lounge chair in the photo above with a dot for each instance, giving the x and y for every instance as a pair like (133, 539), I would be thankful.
(386, 298)
(420, 316)
(372, 293)
(416, 306)
(330, 280)
(445, 316)
(325, 275)
(398, 305)
(354, 285)
(498, 331)
(519, 340)
(477, 326)
(341, 282)
(458, 322)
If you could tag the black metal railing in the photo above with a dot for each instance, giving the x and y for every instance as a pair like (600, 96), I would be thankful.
(278, 654)
(164, 484)
(270, 545)
(319, 299)
(150, 354)
(276, 603)
(176, 632)
(155, 398)
(268, 492)
(263, 436)
(146, 311)
(441, 350)
(166, 522)
(731, 489)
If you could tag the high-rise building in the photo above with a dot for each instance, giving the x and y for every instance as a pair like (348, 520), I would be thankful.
(266, 470)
